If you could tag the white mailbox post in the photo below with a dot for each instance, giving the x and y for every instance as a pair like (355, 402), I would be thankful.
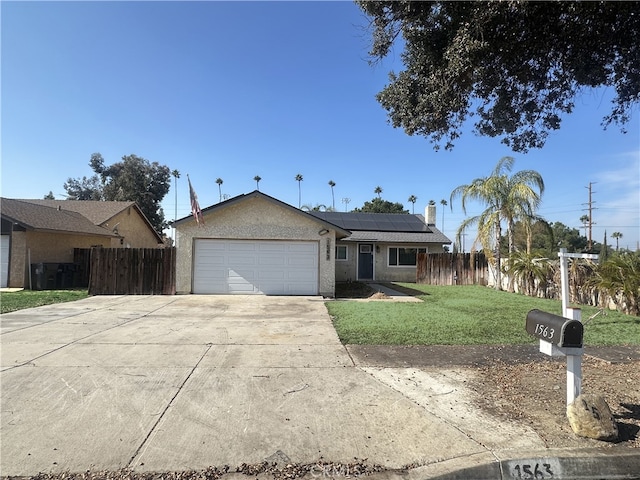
(562, 336)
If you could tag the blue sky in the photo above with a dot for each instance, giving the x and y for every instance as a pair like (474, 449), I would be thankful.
(232, 90)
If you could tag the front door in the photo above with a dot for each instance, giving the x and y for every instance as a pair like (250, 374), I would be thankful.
(365, 261)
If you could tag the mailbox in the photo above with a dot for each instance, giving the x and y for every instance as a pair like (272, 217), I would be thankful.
(554, 329)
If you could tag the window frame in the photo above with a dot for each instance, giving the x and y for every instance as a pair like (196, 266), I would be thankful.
(397, 248)
(346, 253)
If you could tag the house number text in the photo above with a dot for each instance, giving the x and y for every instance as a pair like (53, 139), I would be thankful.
(544, 331)
(532, 472)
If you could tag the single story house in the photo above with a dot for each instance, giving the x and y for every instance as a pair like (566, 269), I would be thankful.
(47, 231)
(256, 244)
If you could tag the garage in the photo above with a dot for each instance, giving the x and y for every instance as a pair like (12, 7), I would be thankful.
(268, 267)
(4, 260)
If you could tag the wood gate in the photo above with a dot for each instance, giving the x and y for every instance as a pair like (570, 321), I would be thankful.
(132, 271)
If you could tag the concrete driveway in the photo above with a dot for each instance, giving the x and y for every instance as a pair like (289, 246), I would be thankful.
(186, 382)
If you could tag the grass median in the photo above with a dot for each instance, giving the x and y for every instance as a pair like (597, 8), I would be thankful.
(12, 301)
(466, 315)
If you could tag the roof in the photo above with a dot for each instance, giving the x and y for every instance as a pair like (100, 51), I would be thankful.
(33, 216)
(398, 237)
(340, 232)
(385, 227)
(97, 212)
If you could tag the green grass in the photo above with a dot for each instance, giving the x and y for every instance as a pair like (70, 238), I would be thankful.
(12, 301)
(465, 315)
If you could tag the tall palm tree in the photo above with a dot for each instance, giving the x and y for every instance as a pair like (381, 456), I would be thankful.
(333, 198)
(378, 190)
(299, 180)
(257, 178)
(617, 236)
(444, 203)
(176, 176)
(219, 182)
(507, 199)
(413, 199)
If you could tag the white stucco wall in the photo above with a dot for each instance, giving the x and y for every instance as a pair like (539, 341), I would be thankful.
(255, 218)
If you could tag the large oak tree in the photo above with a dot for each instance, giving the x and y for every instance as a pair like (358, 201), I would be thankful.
(515, 67)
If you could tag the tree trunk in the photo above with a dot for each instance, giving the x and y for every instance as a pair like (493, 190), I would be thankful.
(497, 256)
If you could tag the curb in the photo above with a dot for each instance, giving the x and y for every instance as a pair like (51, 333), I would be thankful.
(589, 465)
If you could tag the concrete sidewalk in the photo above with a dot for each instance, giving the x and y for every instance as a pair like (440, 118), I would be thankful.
(172, 383)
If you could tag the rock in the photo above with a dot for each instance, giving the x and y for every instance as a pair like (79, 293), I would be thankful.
(590, 416)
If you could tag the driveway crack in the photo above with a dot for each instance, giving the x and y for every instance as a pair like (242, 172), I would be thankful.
(171, 402)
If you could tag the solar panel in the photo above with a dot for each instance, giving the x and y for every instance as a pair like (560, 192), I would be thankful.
(381, 222)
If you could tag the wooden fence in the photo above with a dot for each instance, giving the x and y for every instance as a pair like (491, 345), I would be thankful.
(132, 271)
(452, 269)
(82, 261)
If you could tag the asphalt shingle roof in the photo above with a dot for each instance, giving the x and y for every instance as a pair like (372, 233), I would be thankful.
(397, 237)
(97, 212)
(35, 216)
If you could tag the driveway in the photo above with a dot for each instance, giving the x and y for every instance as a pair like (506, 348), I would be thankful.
(158, 383)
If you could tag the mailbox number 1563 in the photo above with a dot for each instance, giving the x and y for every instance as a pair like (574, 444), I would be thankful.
(544, 331)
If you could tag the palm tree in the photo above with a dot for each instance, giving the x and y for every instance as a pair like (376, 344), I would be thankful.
(257, 178)
(617, 236)
(176, 175)
(529, 269)
(444, 203)
(507, 198)
(219, 182)
(413, 199)
(619, 276)
(378, 190)
(333, 199)
(299, 180)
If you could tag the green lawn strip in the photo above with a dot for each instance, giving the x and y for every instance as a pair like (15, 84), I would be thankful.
(465, 315)
(12, 301)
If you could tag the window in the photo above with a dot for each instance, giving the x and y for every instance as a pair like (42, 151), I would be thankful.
(404, 256)
(341, 252)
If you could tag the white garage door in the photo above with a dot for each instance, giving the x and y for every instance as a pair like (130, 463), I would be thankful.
(254, 267)
(4, 260)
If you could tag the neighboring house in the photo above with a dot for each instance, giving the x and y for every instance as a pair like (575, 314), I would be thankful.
(254, 243)
(47, 231)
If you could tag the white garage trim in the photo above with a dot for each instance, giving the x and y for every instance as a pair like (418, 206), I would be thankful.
(4, 260)
(255, 267)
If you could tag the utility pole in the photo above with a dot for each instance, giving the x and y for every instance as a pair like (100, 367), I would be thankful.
(590, 210)
(346, 201)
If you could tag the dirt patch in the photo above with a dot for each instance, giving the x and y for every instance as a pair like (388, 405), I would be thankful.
(520, 384)
(535, 394)
(379, 296)
(353, 290)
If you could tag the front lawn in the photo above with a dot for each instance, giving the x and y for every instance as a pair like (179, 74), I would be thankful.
(465, 315)
(12, 301)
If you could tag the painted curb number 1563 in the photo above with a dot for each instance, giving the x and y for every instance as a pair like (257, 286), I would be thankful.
(531, 472)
